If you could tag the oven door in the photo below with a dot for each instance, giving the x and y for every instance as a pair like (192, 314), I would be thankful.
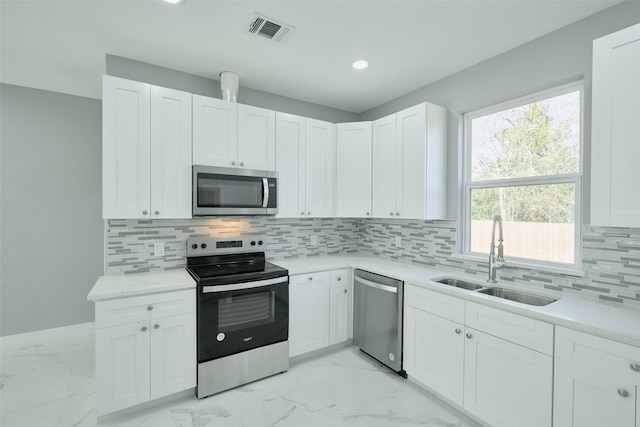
(242, 316)
(228, 191)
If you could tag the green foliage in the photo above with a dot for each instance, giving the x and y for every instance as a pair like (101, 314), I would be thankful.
(527, 142)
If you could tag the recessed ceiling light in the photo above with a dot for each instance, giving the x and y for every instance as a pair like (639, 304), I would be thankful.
(360, 64)
(173, 1)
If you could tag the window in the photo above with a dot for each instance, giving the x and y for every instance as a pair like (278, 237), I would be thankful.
(523, 162)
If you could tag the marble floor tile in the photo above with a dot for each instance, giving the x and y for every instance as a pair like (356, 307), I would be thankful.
(53, 385)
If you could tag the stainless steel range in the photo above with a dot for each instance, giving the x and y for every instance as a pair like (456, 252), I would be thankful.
(243, 312)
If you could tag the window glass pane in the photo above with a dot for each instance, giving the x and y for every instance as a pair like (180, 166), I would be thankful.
(538, 221)
(537, 139)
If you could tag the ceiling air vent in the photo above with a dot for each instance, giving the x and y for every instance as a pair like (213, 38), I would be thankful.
(268, 28)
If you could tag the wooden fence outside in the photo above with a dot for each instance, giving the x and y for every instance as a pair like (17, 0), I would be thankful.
(545, 241)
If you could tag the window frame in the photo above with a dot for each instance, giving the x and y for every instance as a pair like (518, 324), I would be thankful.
(572, 178)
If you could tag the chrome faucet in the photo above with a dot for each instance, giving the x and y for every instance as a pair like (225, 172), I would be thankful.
(496, 262)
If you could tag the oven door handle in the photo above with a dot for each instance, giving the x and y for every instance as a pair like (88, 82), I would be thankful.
(265, 187)
(245, 285)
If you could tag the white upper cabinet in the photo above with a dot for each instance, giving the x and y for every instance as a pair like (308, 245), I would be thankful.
(256, 138)
(409, 164)
(305, 161)
(290, 164)
(615, 151)
(146, 151)
(320, 153)
(353, 169)
(215, 132)
(232, 135)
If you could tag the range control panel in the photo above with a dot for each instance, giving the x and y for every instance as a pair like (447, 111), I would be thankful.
(198, 246)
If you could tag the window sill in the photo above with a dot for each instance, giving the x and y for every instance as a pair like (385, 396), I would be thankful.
(574, 271)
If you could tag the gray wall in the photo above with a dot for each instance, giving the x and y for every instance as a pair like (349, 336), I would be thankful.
(165, 77)
(52, 240)
(556, 58)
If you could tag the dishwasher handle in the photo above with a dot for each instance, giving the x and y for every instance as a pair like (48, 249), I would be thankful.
(385, 288)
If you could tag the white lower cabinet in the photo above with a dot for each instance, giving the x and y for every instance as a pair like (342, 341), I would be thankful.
(596, 381)
(319, 310)
(502, 382)
(151, 356)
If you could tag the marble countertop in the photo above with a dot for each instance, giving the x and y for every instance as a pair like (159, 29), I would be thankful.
(109, 287)
(602, 318)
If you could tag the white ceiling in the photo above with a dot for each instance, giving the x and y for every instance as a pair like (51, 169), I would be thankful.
(61, 45)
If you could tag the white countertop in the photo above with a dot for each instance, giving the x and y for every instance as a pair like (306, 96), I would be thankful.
(109, 287)
(602, 318)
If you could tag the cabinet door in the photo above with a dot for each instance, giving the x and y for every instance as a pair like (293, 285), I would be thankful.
(434, 353)
(353, 170)
(126, 118)
(122, 367)
(290, 164)
(506, 385)
(256, 138)
(308, 313)
(215, 132)
(340, 306)
(320, 166)
(615, 149)
(384, 166)
(173, 354)
(170, 153)
(411, 142)
(591, 394)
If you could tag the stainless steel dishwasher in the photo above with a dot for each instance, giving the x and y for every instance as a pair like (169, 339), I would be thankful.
(377, 318)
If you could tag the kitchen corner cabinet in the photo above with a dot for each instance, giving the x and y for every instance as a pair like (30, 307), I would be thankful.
(409, 164)
(496, 365)
(318, 310)
(353, 169)
(232, 135)
(596, 381)
(305, 161)
(615, 152)
(146, 151)
(145, 349)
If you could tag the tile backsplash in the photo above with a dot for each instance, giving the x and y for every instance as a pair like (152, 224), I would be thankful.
(611, 256)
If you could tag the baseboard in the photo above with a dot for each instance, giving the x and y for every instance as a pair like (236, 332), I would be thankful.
(11, 342)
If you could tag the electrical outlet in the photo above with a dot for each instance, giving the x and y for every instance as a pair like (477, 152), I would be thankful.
(398, 241)
(158, 249)
(314, 240)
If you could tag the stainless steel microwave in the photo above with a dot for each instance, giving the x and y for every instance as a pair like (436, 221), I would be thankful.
(229, 191)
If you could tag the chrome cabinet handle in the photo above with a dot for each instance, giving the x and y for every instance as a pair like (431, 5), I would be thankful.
(149, 308)
(458, 331)
(143, 329)
(302, 213)
(468, 335)
(144, 212)
(339, 278)
(157, 212)
(241, 163)
(308, 213)
(623, 393)
(391, 213)
(310, 277)
(635, 367)
(233, 162)
(156, 326)
(345, 291)
(397, 213)
(368, 214)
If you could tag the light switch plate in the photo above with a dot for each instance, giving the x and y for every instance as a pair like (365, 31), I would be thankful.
(398, 241)
(158, 249)
(314, 240)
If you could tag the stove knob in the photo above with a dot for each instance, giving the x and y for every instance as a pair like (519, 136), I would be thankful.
(253, 243)
(260, 242)
(203, 246)
(194, 246)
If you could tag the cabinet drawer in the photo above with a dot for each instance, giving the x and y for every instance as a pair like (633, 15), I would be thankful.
(304, 278)
(340, 278)
(581, 349)
(442, 305)
(146, 307)
(517, 329)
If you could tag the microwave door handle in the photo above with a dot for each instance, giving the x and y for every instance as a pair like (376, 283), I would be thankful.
(265, 187)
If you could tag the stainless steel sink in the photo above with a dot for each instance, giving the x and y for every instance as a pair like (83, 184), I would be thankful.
(459, 283)
(517, 296)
